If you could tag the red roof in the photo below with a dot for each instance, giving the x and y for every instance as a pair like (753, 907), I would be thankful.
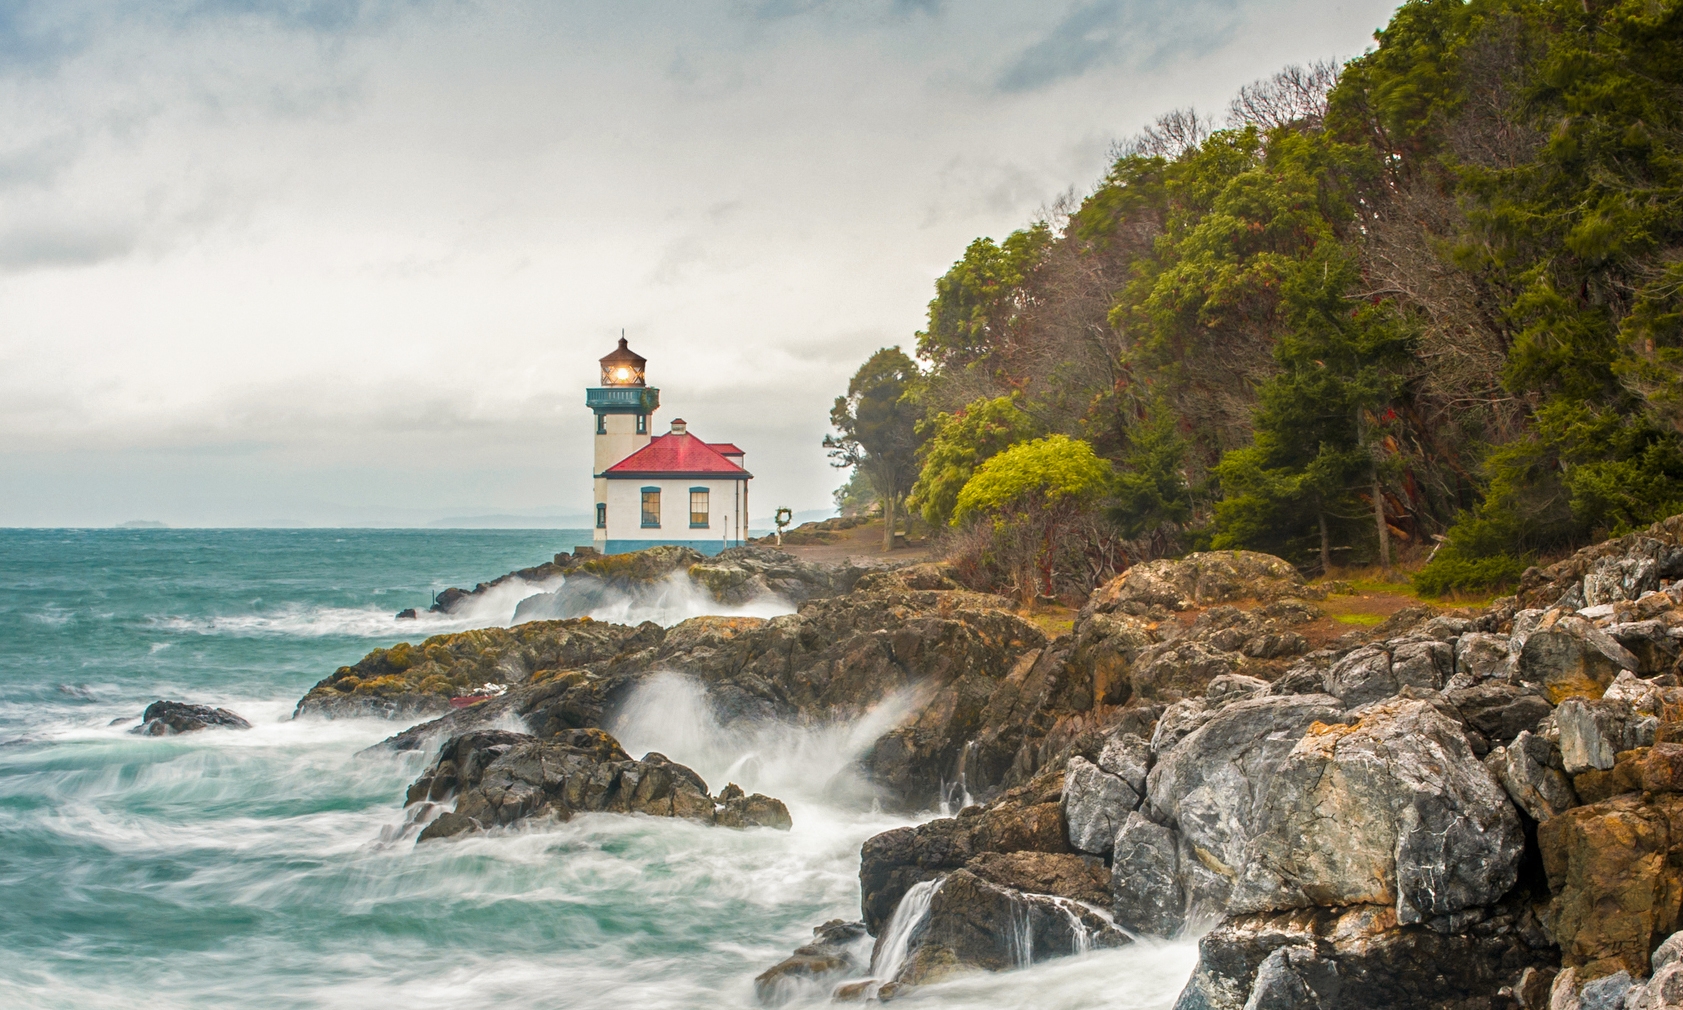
(676, 456)
(724, 448)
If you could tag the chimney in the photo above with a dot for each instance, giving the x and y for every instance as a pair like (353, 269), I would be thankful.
(679, 427)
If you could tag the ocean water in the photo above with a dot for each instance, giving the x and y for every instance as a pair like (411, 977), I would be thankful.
(249, 869)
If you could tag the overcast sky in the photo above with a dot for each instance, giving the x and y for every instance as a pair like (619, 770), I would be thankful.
(296, 261)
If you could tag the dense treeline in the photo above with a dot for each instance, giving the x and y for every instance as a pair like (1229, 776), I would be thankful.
(1432, 298)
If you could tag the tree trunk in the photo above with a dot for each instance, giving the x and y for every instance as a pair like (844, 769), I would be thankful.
(1379, 521)
(887, 523)
(1326, 543)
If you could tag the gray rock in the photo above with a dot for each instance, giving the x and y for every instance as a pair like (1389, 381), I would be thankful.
(975, 924)
(1605, 993)
(1622, 578)
(1233, 687)
(1446, 629)
(1664, 991)
(1498, 710)
(1145, 879)
(1522, 768)
(1127, 756)
(1570, 657)
(1650, 642)
(1482, 655)
(1356, 958)
(1212, 785)
(1177, 722)
(1422, 664)
(1095, 804)
(1592, 733)
(1363, 676)
(1392, 808)
(1294, 978)
(167, 718)
(1668, 952)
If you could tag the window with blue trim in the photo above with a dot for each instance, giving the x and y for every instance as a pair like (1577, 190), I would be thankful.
(698, 508)
(601, 515)
(642, 424)
(651, 507)
(601, 424)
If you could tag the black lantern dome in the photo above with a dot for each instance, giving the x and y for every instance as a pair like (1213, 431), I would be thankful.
(623, 367)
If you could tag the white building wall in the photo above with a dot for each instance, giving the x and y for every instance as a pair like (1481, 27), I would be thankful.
(726, 514)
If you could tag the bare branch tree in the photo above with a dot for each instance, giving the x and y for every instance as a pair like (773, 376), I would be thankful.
(1169, 136)
(1296, 95)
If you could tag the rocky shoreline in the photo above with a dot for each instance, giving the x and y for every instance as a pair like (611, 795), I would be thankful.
(1453, 809)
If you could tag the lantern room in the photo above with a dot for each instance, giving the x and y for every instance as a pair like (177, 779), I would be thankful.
(622, 366)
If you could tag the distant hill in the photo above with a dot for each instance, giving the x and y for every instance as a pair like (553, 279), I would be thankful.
(504, 521)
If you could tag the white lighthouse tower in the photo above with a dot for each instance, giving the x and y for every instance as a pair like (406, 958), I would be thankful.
(659, 489)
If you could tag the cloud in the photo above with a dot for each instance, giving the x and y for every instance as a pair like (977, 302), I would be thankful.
(66, 244)
(376, 247)
(1138, 33)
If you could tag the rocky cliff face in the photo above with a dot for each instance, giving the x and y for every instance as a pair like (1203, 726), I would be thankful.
(1462, 809)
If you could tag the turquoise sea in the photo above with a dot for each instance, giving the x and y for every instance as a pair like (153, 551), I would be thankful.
(260, 869)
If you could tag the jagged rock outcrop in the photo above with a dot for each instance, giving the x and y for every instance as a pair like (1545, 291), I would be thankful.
(835, 952)
(1024, 820)
(498, 778)
(1359, 958)
(1210, 787)
(973, 923)
(1200, 580)
(1391, 807)
(588, 581)
(947, 650)
(167, 718)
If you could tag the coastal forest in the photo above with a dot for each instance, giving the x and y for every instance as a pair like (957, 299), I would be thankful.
(1424, 310)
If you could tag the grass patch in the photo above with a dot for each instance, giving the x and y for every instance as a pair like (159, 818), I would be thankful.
(1364, 620)
(1054, 621)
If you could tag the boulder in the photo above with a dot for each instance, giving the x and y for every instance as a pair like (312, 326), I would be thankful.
(1127, 757)
(1390, 808)
(891, 862)
(1062, 874)
(1375, 672)
(741, 574)
(1615, 879)
(1481, 655)
(736, 809)
(1592, 733)
(1233, 687)
(1357, 958)
(1651, 642)
(1656, 769)
(1179, 669)
(1177, 722)
(1211, 784)
(973, 924)
(1106, 645)
(1095, 803)
(499, 778)
(167, 718)
(1200, 580)
(1523, 767)
(834, 953)
(1499, 711)
(1145, 879)
(1613, 579)
(1570, 657)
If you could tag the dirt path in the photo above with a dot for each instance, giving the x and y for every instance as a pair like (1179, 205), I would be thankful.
(860, 542)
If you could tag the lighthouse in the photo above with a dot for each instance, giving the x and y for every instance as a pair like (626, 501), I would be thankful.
(652, 490)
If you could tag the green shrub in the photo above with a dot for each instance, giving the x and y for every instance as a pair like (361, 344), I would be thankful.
(1450, 571)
